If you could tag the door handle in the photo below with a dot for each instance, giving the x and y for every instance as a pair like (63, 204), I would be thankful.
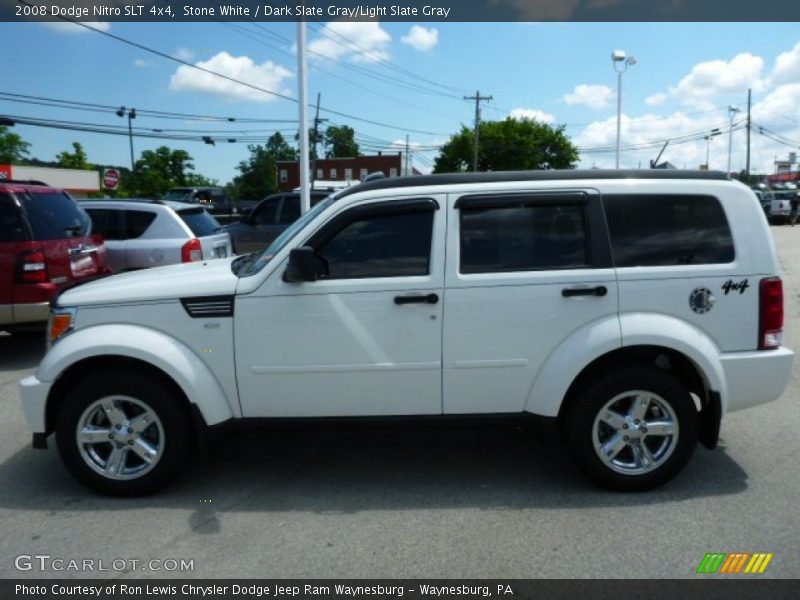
(600, 290)
(428, 299)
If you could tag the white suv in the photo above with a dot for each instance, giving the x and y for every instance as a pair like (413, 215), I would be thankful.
(636, 308)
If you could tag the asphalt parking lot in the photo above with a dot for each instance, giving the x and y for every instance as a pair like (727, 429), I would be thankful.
(458, 503)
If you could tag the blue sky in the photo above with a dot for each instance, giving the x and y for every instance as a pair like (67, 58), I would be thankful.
(686, 77)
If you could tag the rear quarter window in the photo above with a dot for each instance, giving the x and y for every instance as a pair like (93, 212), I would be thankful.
(54, 216)
(667, 230)
(199, 221)
(12, 227)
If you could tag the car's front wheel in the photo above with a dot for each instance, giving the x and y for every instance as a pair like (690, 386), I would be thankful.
(634, 429)
(123, 435)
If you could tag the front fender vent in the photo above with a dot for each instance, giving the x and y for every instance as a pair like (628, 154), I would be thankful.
(208, 306)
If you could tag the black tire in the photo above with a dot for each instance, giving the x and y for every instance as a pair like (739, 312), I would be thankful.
(178, 438)
(593, 397)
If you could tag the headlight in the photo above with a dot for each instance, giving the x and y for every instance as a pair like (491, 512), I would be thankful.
(61, 322)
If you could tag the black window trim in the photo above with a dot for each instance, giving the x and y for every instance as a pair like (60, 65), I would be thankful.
(671, 195)
(598, 241)
(387, 208)
(372, 209)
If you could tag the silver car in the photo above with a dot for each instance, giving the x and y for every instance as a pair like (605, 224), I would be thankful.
(149, 233)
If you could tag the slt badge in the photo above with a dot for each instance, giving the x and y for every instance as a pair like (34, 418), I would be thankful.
(701, 300)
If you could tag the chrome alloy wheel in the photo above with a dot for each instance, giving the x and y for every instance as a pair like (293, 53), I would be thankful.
(120, 437)
(635, 432)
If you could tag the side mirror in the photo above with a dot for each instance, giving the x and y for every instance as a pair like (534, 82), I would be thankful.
(302, 265)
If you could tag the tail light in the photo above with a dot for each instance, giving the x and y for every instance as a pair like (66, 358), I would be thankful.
(32, 267)
(192, 251)
(770, 313)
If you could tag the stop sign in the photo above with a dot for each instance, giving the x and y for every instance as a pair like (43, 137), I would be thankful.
(111, 179)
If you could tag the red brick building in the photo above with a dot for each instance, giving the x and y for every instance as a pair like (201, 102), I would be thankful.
(341, 169)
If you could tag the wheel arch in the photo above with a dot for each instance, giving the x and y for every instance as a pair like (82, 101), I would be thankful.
(131, 347)
(663, 358)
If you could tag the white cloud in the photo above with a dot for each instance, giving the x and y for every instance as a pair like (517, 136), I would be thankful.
(357, 41)
(710, 84)
(141, 63)
(655, 99)
(267, 75)
(779, 109)
(591, 96)
(184, 54)
(421, 39)
(532, 113)
(714, 77)
(787, 67)
(67, 27)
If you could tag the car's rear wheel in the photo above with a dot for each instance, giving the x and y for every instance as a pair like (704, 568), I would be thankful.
(634, 429)
(123, 435)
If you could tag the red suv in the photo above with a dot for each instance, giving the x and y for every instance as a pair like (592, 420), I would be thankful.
(45, 246)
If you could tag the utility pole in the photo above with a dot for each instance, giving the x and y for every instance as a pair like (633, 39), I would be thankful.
(314, 153)
(732, 110)
(302, 84)
(747, 163)
(408, 157)
(478, 98)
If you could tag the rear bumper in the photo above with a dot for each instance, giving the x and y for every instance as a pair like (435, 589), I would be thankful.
(34, 401)
(34, 312)
(754, 378)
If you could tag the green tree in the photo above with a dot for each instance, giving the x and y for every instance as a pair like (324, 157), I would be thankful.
(340, 142)
(157, 171)
(257, 174)
(198, 180)
(512, 144)
(13, 148)
(74, 160)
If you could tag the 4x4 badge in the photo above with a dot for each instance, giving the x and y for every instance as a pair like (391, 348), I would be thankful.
(740, 287)
(701, 300)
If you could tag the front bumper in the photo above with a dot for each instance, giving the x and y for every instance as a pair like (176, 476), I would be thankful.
(34, 402)
(754, 378)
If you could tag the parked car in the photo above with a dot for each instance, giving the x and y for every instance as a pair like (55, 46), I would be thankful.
(632, 308)
(46, 245)
(212, 199)
(256, 230)
(780, 205)
(151, 233)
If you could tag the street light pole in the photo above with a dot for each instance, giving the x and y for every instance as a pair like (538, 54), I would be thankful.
(131, 116)
(714, 132)
(618, 57)
(732, 110)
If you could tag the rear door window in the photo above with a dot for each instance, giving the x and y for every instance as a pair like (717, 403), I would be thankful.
(266, 212)
(290, 210)
(199, 221)
(665, 230)
(12, 227)
(525, 237)
(120, 224)
(54, 216)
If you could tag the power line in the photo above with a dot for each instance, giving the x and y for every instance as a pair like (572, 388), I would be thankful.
(156, 114)
(231, 79)
(383, 62)
(259, 40)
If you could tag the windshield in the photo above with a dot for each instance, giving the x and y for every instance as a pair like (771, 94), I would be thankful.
(253, 263)
(178, 194)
